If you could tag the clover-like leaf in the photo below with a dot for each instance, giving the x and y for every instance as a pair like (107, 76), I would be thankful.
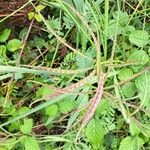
(14, 45)
(4, 35)
(51, 110)
(31, 143)
(140, 58)
(139, 38)
(125, 74)
(66, 105)
(27, 127)
(129, 89)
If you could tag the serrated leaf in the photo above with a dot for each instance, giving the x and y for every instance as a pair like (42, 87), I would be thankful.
(4, 35)
(47, 91)
(10, 143)
(51, 110)
(140, 57)
(139, 38)
(31, 143)
(129, 89)
(126, 144)
(125, 74)
(95, 132)
(39, 41)
(123, 17)
(129, 143)
(143, 86)
(30, 15)
(23, 110)
(137, 143)
(66, 105)
(103, 106)
(27, 127)
(111, 29)
(14, 126)
(23, 33)
(14, 45)
(134, 129)
(83, 62)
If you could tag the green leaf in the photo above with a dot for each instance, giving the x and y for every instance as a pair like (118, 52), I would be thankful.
(129, 143)
(134, 129)
(23, 33)
(140, 57)
(111, 29)
(146, 131)
(18, 76)
(4, 35)
(129, 89)
(139, 38)
(51, 110)
(10, 143)
(44, 91)
(47, 91)
(125, 74)
(14, 45)
(31, 143)
(39, 41)
(84, 62)
(143, 85)
(103, 106)
(3, 51)
(123, 17)
(23, 110)
(66, 105)
(126, 144)
(137, 143)
(95, 132)
(31, 15)
(14, 126)
(27, 127)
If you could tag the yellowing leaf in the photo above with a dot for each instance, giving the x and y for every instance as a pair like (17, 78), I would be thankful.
(3, 148)
(30, 15)
(40, 7)
(38, 17)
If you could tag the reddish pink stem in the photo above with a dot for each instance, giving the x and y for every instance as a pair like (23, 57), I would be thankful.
(94, 101)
